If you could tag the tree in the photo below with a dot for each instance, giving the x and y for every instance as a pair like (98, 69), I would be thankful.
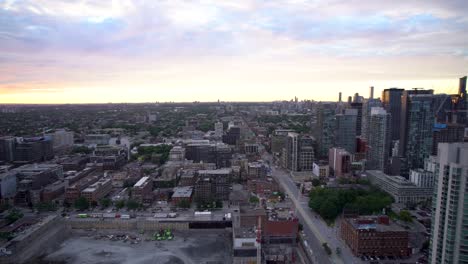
(132, 205)
(184, 203)
(120, 204)
(81, 203)
(82, 150)
(105, 202)
(315, 182)
(327, 248)
(46, 206)
(405, 216)
(254, 199)
(13, 215)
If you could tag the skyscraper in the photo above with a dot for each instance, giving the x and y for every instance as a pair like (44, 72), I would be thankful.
(449, 243)
(324, 131)
(391, 100)
(417, 122)
(379, 139)
(358, 107)
(462, 103)
(366, 112)
(345, 135)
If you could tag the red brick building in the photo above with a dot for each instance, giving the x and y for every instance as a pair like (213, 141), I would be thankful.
(374, 236)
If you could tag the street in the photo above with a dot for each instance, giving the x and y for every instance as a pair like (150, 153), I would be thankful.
(315, 229)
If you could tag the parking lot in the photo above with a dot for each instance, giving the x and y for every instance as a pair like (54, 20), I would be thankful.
(187, 247)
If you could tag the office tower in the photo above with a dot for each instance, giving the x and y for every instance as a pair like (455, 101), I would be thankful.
(391, 100)
(448, 242)
(462, 103)
(299, 152)
(371, 92)
(379, 139)
(324, 131)
(34, 149)
(339, 161)
(443, 108)
(7, 149)
(358, 107)
(366, 111)
(232, 136)
(417, 122)
(339, 97)
(345, 135)
(350, 99)
(446, 133)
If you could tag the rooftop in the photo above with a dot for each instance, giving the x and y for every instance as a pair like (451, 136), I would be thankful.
(141, 181)
(183, 192)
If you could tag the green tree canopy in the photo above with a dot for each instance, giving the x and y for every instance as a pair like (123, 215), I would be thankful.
(81, 203)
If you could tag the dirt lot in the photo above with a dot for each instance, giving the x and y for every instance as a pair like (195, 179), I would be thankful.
(188, 247)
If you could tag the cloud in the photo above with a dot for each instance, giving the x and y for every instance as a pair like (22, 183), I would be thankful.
(84, 43)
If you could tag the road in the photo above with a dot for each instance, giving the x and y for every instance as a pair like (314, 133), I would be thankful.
(316, 230)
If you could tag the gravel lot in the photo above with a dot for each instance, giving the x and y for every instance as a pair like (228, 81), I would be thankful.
(188, 247)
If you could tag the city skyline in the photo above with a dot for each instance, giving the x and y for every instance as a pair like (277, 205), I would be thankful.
(126, 51)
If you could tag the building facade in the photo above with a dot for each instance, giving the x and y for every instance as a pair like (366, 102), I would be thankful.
(417, 122)
(449, 243)
(379, 139)
(345, 133)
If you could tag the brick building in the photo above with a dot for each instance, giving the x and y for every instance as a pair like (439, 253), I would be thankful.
(374, 236)
(98, 190)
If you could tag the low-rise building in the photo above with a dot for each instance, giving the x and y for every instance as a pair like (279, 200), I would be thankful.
(213, 185)
(182, 194)
(401, 189)
(143, 190)
(97, 190)
(374, 236)
(422, 178)
(321, 169)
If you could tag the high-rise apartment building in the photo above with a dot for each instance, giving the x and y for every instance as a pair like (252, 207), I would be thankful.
(366, 112)
(299, 152)
(345, 133)
(324, 131)
(379, 139)
(391, 100)
(417, 123)
(449, 243)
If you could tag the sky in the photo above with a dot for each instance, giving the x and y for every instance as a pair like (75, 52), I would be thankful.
(99, 51)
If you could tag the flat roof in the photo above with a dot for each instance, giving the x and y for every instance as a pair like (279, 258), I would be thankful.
(141, 181)
(183, 192)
